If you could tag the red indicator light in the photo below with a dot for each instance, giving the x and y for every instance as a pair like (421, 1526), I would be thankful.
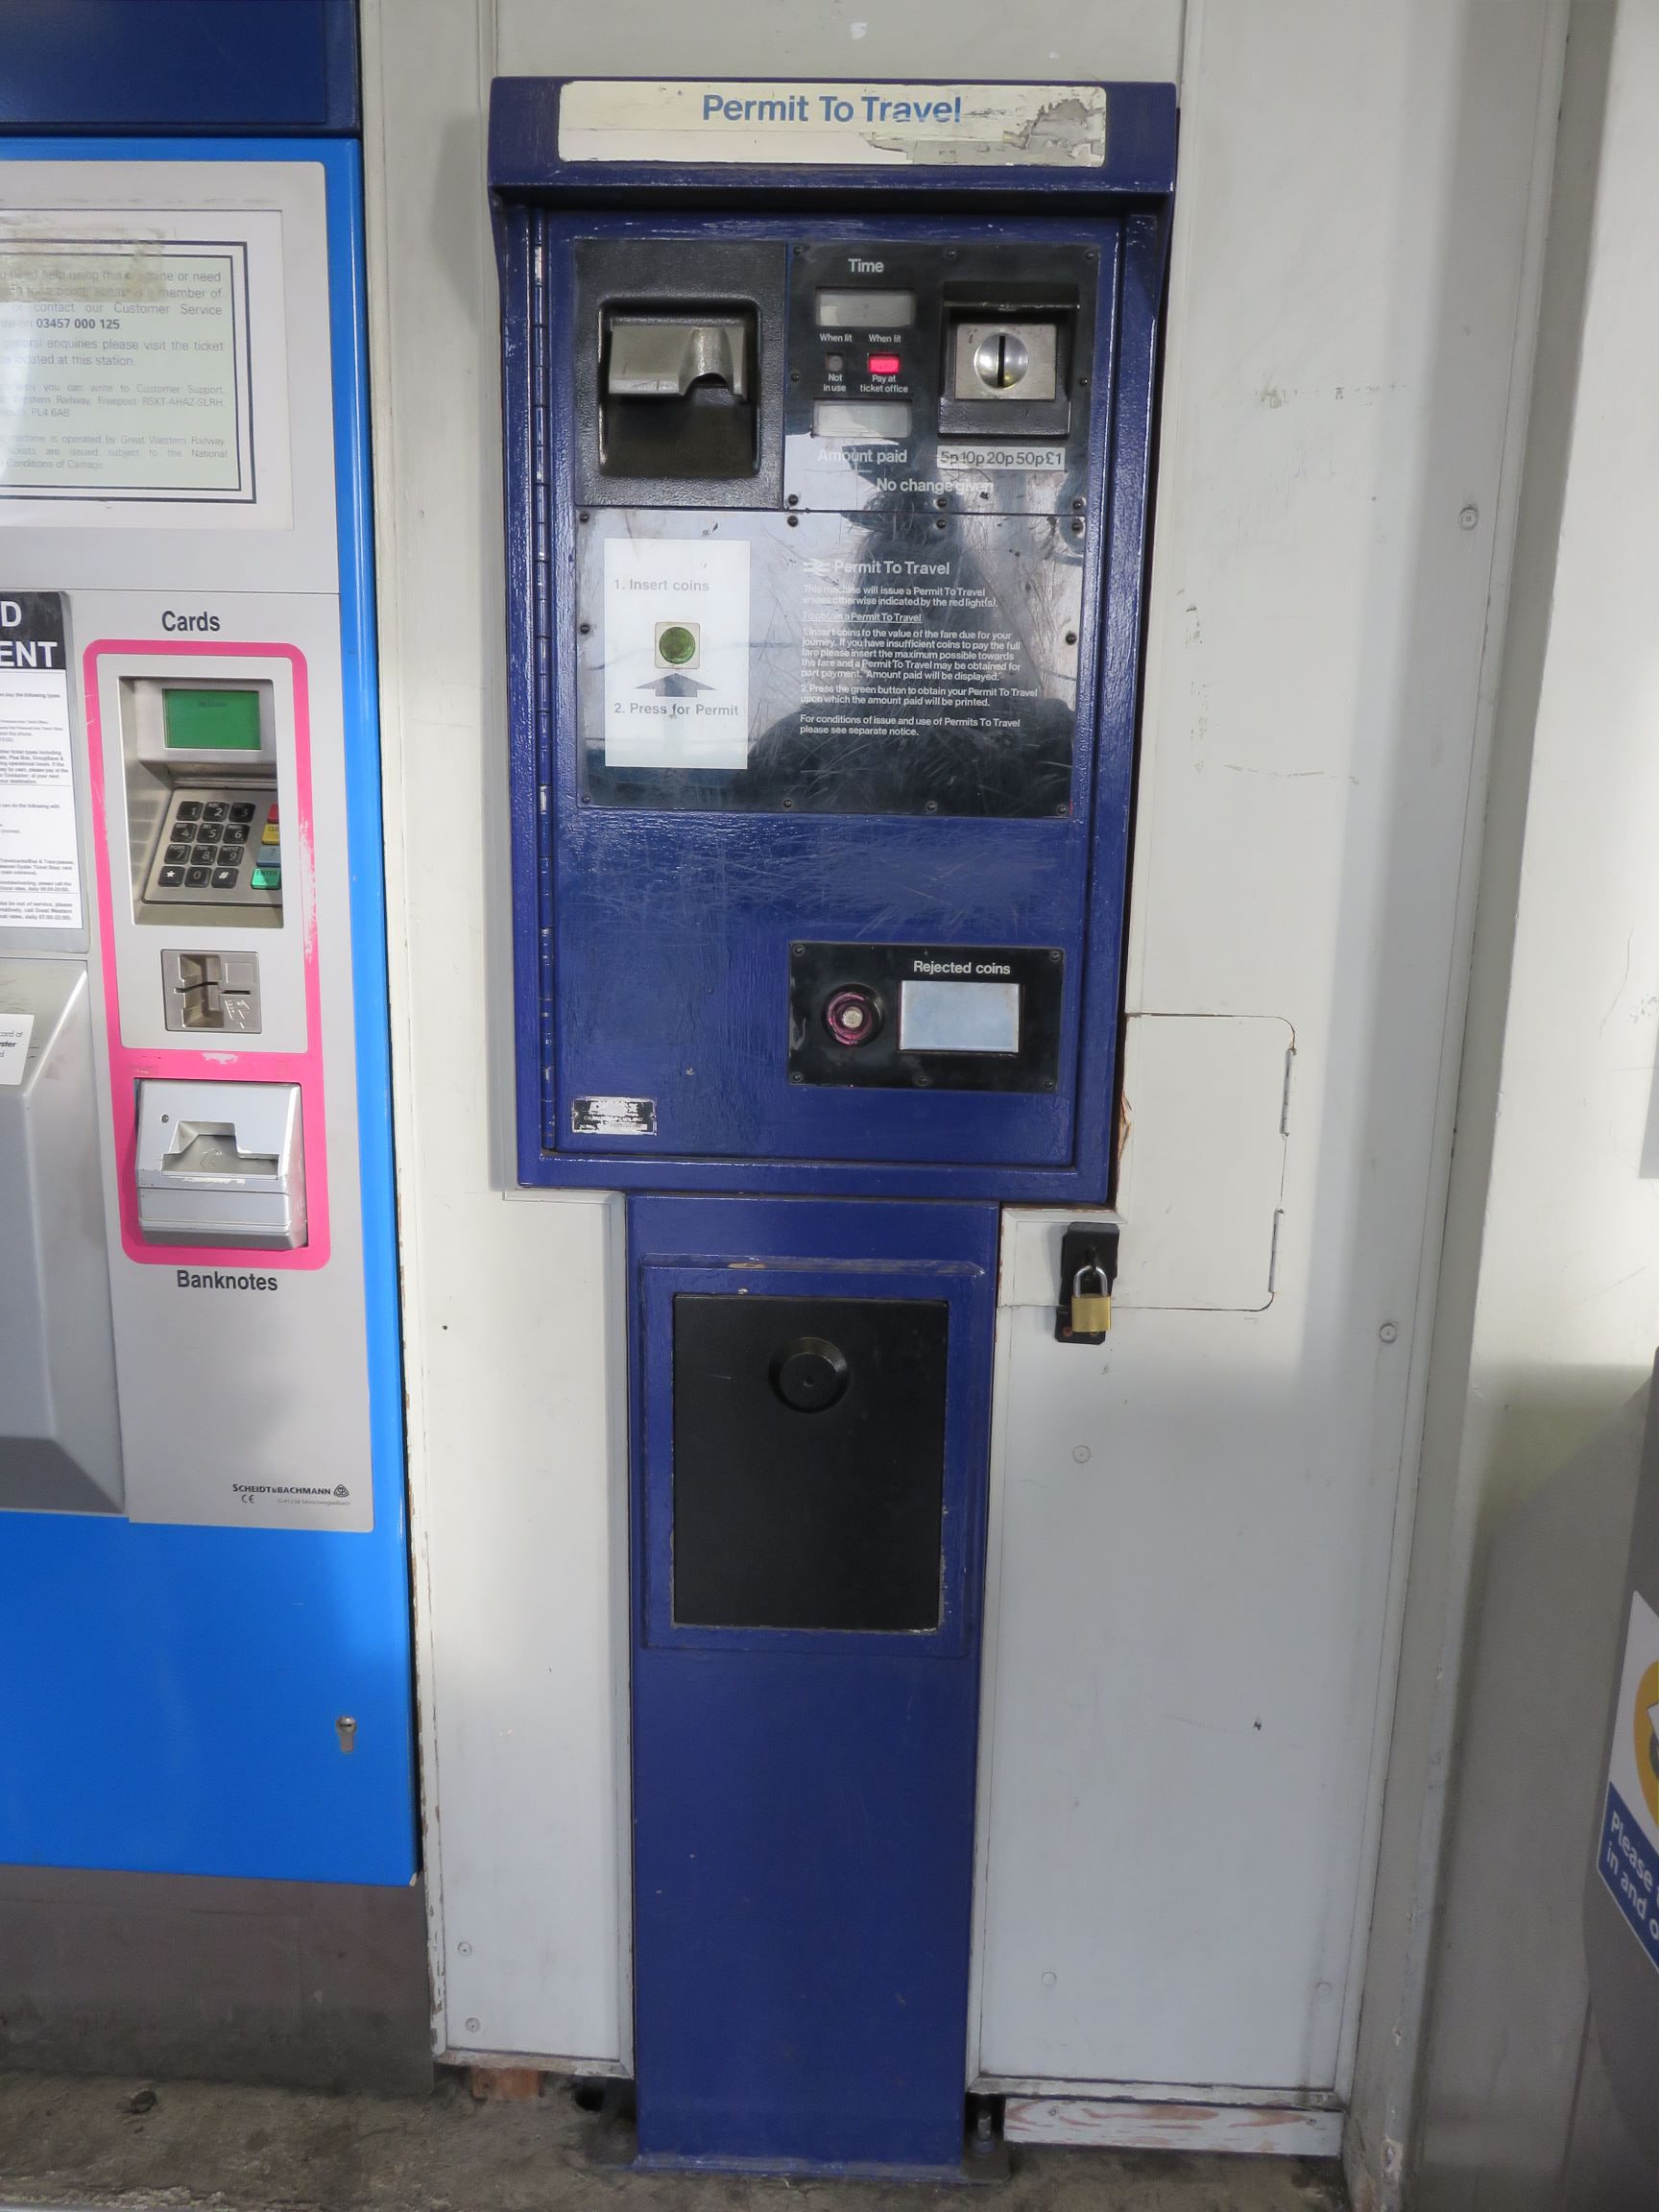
(884, 364)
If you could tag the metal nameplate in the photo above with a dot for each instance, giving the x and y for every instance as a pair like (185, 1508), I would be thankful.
(825, 125)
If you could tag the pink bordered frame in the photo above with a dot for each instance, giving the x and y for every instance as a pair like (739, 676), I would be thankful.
(129, 1065)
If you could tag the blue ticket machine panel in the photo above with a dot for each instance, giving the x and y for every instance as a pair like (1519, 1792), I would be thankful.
(202, 1548)
(827, 419)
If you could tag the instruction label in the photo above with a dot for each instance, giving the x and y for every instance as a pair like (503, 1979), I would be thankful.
(39, 862)
(16, 1032)
(894, 642)
(1627, 1859)
(124, 370)
(676, 648)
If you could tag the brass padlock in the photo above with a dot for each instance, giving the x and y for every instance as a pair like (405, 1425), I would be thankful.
(1091, 1308)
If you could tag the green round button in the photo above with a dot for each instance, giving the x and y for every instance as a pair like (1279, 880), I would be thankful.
(677, 645)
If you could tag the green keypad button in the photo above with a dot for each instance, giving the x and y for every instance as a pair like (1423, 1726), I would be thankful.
(267, 878)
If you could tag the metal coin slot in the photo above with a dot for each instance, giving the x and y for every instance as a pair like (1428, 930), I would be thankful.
(993, 361)
(1001, 359)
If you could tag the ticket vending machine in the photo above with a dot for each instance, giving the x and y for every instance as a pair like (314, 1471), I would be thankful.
(203, 1565)
(828, 418)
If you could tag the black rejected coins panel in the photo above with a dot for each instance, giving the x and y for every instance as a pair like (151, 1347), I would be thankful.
(940, 1017)
(808, 1462)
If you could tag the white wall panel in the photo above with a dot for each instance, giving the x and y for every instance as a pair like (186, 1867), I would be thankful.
(1130, 39)
(509, 1308)
(1197, 1523)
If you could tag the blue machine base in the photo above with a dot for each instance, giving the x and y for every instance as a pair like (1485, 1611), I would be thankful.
(803, 1797)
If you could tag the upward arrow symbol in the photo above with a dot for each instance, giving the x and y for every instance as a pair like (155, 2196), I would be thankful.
(676, 686)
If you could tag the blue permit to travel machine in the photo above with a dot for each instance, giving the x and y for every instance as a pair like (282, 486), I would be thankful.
(828, 416)
(203, 1572)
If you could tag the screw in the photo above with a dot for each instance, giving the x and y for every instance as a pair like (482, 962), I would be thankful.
(1082, 382)
(932, 806)
(472, 2027)
(1077, 506)
(1387, 1332)
(1056, 957)
(345, 1729)
(794, 376)
(1082, 1454)
(1070, 636)
(798, 950)
(465, 1949)
(939, 502)
(584, 516)
(796, 1076)
(1077, 526)
(793, 500)
(1468, 516)
(793, 521)
(586, 629)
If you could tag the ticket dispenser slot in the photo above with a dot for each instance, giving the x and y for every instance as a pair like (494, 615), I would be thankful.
(677, 382)
(679, 393)
(203, 819)
(221, 1163)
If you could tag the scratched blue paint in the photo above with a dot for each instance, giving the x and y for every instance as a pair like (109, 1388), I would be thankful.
(803, 1802)
(584, 876)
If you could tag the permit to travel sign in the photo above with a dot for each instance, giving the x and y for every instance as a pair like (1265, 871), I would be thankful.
(1627, 1855)
(799, 124)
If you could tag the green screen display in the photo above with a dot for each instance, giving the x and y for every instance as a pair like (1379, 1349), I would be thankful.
(211, 721)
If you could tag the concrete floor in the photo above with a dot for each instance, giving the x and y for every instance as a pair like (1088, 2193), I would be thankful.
(103, 2142)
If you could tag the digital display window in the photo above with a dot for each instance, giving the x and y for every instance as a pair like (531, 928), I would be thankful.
(866, 310)
(210, 721)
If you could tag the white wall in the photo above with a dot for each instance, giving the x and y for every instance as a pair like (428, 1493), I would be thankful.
(1550, 1309)
(1197, 1578)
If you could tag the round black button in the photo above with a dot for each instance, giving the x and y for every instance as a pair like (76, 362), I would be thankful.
(808, 1373)
(853, 1015)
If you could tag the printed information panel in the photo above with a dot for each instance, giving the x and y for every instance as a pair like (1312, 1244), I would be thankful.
(1627, 1858)
(39, 861)
(124, 370)
(830, 663)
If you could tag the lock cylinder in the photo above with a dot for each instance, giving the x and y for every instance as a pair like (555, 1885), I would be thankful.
(1087, 1270)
